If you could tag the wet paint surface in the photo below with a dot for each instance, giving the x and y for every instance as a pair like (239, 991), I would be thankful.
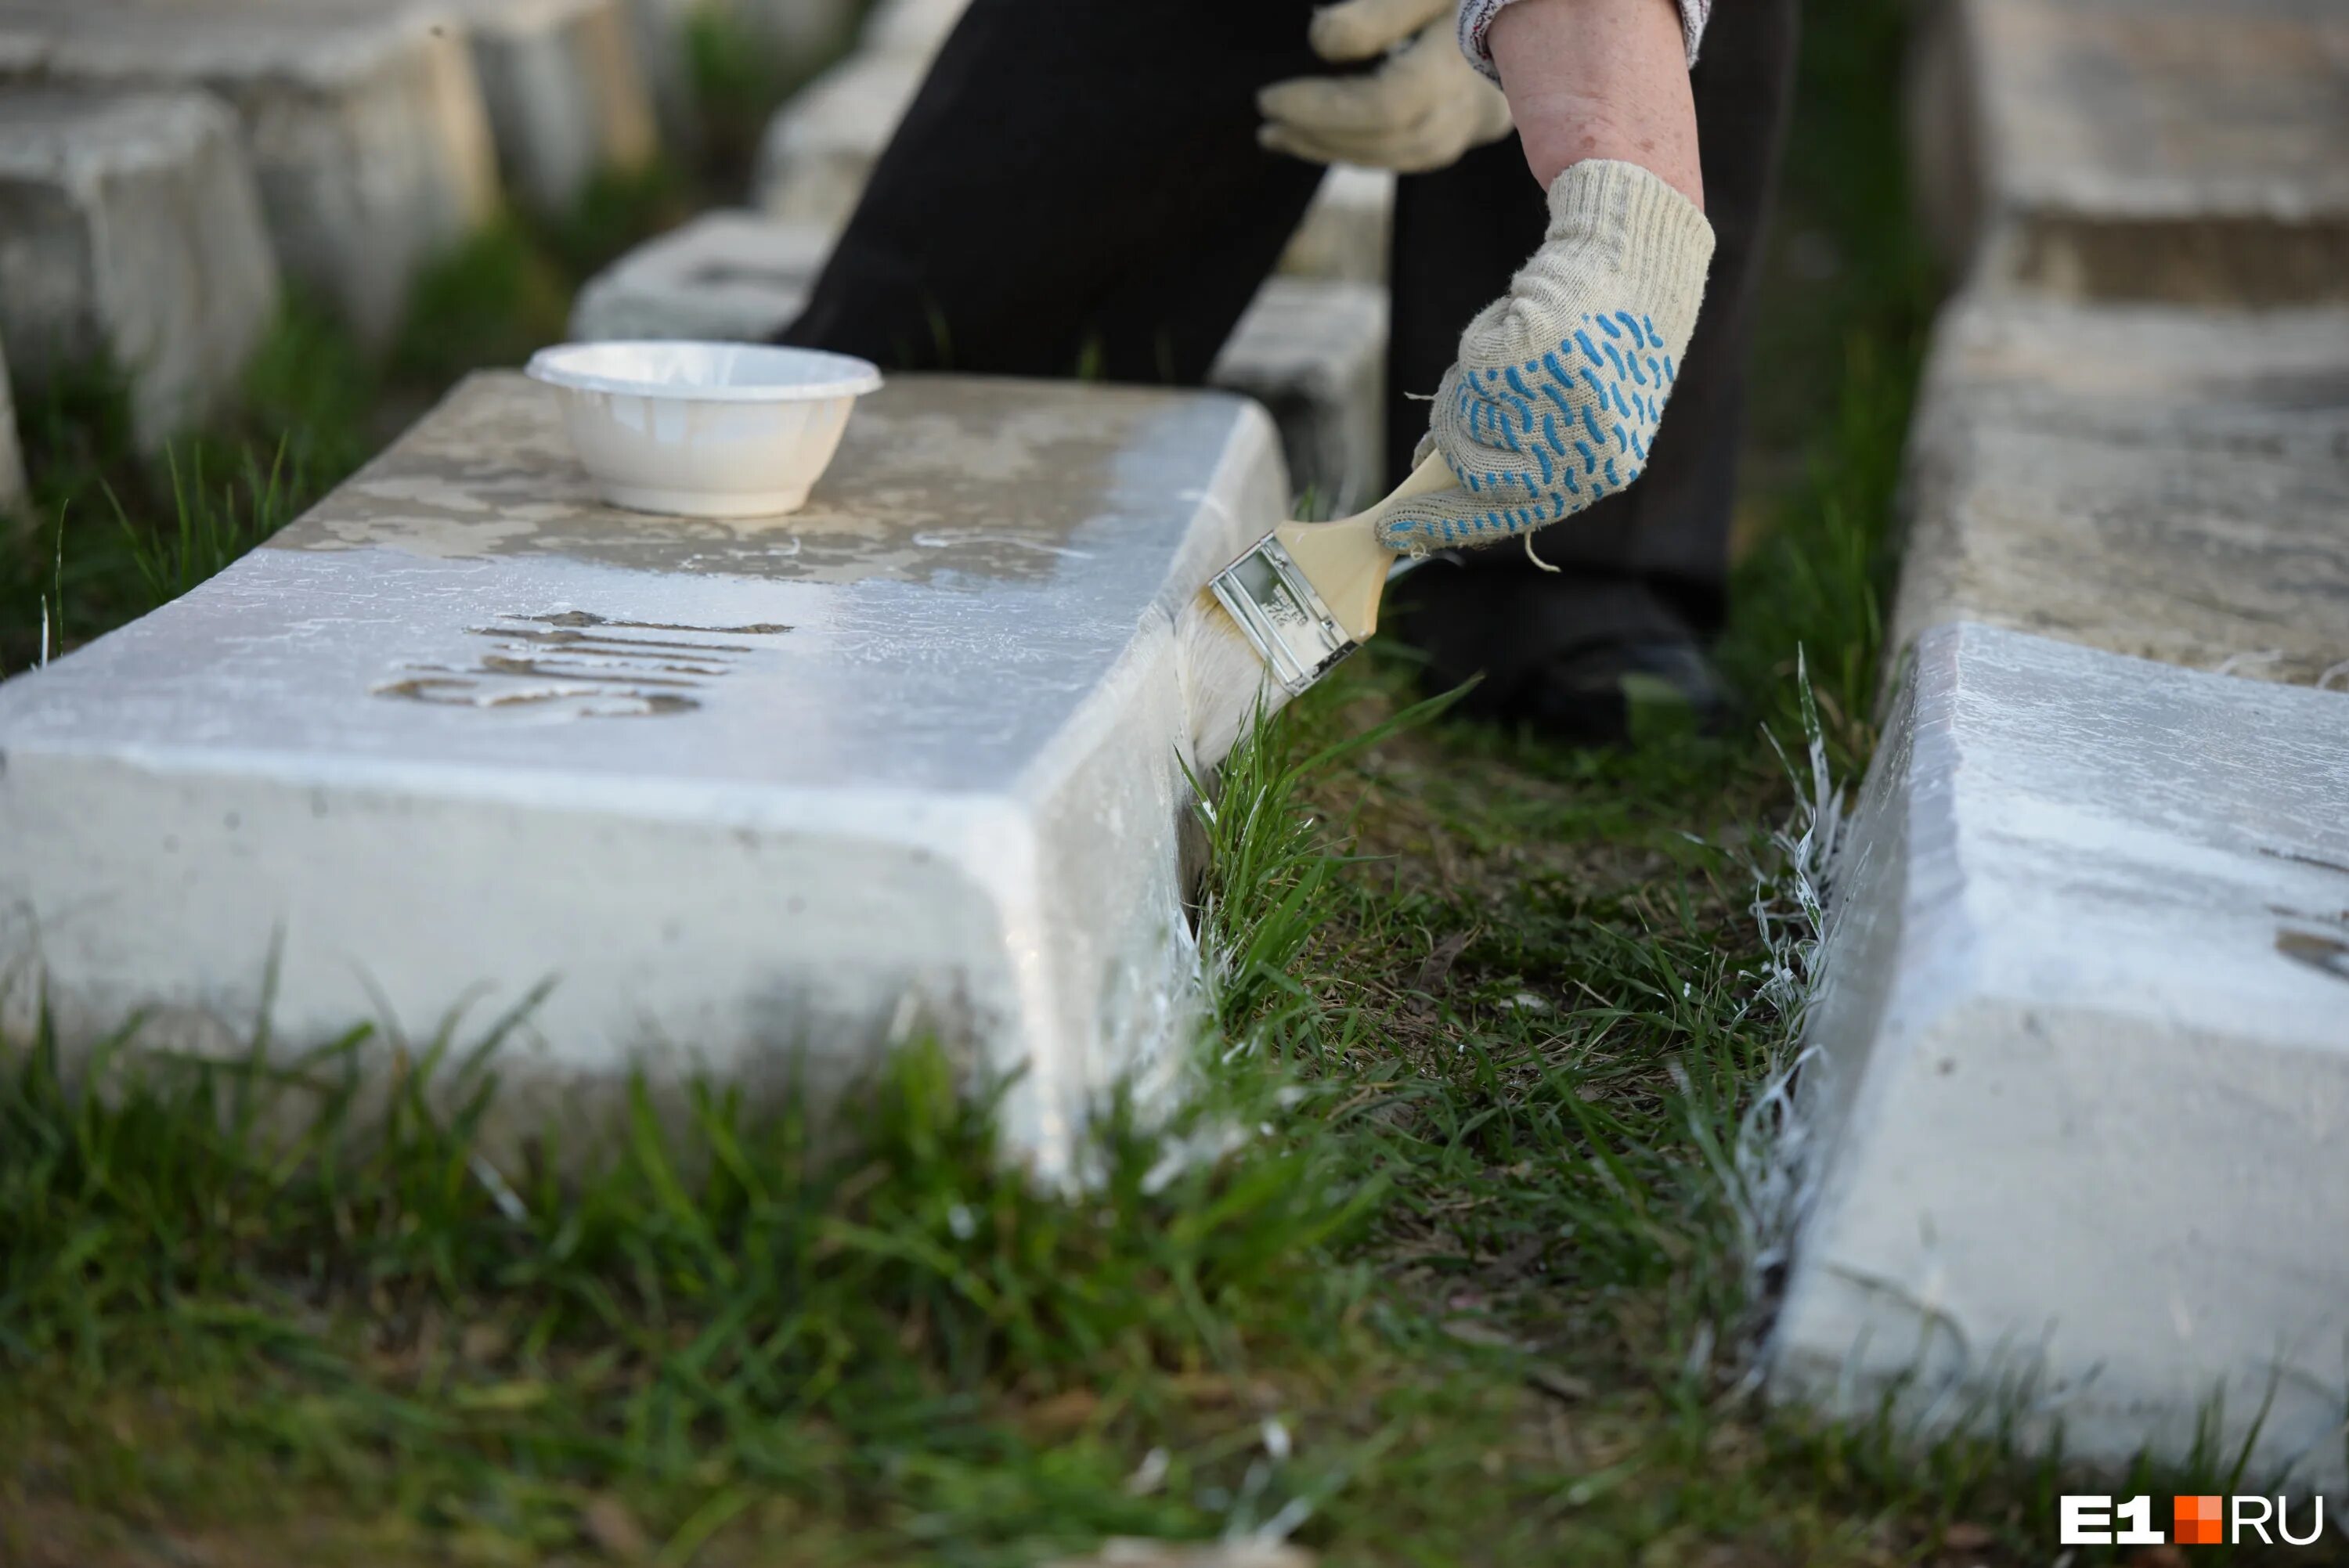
(935, 478)
(977, 559)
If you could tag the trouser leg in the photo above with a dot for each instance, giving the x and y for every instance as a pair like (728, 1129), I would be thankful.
(1459, 233)
(1077, 185)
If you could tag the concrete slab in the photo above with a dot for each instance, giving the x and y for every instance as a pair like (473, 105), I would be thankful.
(567, 99)
(2169, 150)
(912, 28)
(744, 791)
(1347, 232)
(820, 149)
(2079, 1106)
(727, 274)
(662, 30)
(131, 235)
(806, 33)
(1312, 351)
(2151, 481)
(12, 460)
(363, 124)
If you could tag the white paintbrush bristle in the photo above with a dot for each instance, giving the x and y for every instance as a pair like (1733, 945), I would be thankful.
(1224, 680)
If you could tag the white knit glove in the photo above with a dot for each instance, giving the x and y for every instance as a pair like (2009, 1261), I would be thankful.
(1561, 381)
(1420, 110)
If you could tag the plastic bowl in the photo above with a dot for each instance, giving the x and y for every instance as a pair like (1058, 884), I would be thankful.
(704, 429)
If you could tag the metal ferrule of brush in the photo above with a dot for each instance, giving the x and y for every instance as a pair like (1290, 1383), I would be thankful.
(1274, 603)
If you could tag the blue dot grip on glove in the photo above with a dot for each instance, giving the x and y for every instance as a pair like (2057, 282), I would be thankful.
(1561, 384)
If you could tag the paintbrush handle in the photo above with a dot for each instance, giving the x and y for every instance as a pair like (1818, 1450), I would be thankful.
(1344, 560)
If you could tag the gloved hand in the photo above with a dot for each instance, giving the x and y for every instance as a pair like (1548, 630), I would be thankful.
(1420, 110)
(1560, 382)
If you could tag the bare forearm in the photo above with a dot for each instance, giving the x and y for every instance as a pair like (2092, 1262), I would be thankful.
(1600, 78)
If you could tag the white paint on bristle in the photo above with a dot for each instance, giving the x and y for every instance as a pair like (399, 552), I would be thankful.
(1224, 680)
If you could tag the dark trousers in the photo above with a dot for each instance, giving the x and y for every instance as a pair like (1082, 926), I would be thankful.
(1078, 185)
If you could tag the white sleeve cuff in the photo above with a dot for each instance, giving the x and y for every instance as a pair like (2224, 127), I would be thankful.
(1476, 20)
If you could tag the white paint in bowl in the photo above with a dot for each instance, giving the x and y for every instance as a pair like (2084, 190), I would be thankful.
(704, 429)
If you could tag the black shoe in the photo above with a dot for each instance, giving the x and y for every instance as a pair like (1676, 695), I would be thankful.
(1582, 660)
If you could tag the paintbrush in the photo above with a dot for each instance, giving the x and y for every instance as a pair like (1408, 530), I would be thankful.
(1276, 620)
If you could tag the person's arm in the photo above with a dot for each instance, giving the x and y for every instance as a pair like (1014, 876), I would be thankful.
(1561, 383)
(1600, 78)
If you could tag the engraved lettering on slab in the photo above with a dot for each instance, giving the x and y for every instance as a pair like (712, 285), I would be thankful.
(2325, 954)
(575, 664)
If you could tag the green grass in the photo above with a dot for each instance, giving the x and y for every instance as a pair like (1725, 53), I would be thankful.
(1460, 1270)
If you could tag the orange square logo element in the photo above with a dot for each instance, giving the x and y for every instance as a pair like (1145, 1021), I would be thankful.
(2198, 1521)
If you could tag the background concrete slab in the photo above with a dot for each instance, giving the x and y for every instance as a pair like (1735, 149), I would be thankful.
(1311, 350)
(567, 99)
(2173, 150)
(131, 236)
(363, 124)
(1314, 351)
(1348, 228)
(2079, 1109)
(726, 274)
(751, 795)
(821, 147)
(909, 27)
(2159, 481)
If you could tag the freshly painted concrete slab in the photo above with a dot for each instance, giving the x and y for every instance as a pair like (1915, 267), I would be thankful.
(567, 99)
(752, 796)
(2170, 150)
(2150, 479)
(363, 121)
(2079, 1108)
(1311, 350)
(131, 235)
(11, 460)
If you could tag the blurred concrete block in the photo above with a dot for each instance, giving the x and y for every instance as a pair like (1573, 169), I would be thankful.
(820, 149)
(733, 275)
(12, 460)
(805, 34)
(757, 797)
(2147, 149)
(567, 99)
(2075, 1144)
(1347, 231)
(363, 124)
(1314, 351)
(2152, 481)
(793, 39)
(131, 236)
(910, 27)
(663, 30)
